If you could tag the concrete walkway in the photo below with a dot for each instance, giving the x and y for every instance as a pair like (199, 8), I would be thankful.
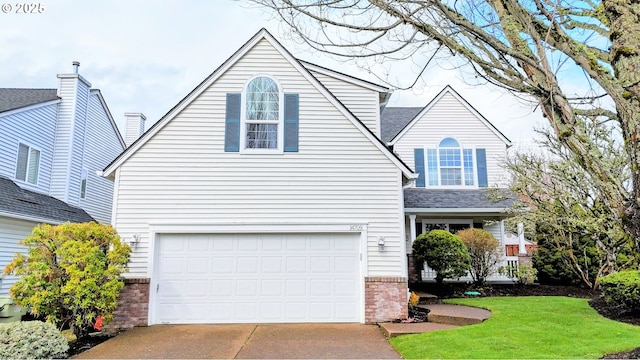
(441, 317)
(247, 341)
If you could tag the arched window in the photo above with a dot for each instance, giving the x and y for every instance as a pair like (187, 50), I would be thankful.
(262, 113)
(450, 165)
(450, 159)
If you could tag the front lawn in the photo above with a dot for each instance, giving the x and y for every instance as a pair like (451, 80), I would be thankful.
(525, 327)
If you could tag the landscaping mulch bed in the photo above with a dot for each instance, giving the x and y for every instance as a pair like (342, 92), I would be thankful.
(78, 346)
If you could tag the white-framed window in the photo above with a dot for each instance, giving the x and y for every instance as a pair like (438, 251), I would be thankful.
(450, 225)
(28, 164)
(262, 115)
(450, 165)
(83, 184)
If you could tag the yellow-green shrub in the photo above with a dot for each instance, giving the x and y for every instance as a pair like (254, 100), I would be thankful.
(71, 275)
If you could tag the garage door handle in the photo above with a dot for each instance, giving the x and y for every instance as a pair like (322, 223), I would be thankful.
(157, 288)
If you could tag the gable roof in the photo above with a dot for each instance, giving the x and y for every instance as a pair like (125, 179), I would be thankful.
(344, 77)
(394, 119)
(260, 35)
(449, 90)
(11, 98)
(98, 93)
(468, 200)
(18, 202)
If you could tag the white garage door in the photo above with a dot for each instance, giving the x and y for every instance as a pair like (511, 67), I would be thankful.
(227, 278)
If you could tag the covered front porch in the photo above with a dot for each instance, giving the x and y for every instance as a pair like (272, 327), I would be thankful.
(454, 210)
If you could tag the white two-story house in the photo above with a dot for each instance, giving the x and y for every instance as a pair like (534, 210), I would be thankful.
(52, 144)
(281, 191)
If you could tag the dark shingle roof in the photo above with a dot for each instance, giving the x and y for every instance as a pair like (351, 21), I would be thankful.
(394, 119)
(22, 202)
(421, 198)
(11, 99)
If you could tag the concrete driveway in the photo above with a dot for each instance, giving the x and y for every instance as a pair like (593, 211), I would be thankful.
(247, 341)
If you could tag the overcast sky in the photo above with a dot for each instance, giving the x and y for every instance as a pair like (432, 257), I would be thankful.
(146, 55)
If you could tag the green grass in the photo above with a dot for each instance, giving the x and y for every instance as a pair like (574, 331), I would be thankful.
(538, 327)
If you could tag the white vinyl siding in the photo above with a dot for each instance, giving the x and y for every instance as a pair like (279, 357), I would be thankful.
(450, 118)
(11, 232)
(36, 128)
(69, 137)
(362, 102)
(325, 182)
(102, 145)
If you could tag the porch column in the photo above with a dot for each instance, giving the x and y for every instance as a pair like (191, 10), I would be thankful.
(522, 249)
(412, 228)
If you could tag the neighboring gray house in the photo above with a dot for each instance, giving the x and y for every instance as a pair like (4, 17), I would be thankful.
(52, 143)
(280, 191)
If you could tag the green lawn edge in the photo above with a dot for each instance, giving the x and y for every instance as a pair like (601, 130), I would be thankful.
(530, 327)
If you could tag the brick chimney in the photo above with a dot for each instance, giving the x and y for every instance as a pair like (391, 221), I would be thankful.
(135, 127)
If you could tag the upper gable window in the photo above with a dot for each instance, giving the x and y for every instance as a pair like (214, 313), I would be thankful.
(262, 121)
(450, 164)
(28, 164)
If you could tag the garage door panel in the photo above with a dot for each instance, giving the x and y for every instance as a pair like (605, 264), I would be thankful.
(173, 288)
(257, 278)
(345, 287)
(222, 265)
(271, 265)
(223, 243)
(221, 287)
(346, 264)
(272, 243)
(320, 244)
(271, 311)
(320, 310)
(320, 287)
(198, 266)
(294, 244)
(248, 245)
(172, 265)
(344, 310)
(220, 312)
(247, 287)
(197, 244)
(271, 288)
(295, 287)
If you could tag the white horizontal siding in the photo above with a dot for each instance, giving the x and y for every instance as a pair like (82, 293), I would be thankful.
(101, 146)
(450, 118)
(183, 176)
(78, 144)
(362, 102)
(63, 138)
(34, 127)
(11, 231)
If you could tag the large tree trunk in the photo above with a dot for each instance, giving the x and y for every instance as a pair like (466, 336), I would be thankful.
(625, 60)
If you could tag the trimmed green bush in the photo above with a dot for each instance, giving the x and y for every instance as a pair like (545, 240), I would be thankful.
(622, 289)
(31, 340)
(444, 252)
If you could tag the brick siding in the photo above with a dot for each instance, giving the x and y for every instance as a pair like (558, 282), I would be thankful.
(133, 306)
(385, 299)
